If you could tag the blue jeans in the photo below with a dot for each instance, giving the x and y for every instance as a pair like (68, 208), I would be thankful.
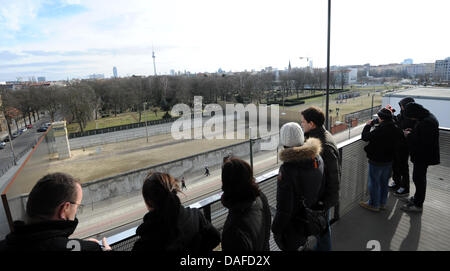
(324, 240)
(378, 184)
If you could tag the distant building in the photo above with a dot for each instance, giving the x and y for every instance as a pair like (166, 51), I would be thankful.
(268, 69)
(442, 70)
(96, 76)
(115, 72)
(407, 61)
(353, 76)
(414, 70)
(346, 75)
(41, 79)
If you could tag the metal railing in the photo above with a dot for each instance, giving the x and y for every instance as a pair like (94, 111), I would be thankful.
(353, 188)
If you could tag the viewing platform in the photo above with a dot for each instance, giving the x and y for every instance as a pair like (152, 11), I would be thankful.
(354, 228)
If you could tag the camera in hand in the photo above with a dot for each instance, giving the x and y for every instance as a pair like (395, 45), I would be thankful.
(375, 121)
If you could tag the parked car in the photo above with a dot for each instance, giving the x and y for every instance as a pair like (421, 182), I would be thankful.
(24, 129)
(16, 134)
(7, 138)
(42, 129)
(48, 124)
(29, 126)
(2, 145)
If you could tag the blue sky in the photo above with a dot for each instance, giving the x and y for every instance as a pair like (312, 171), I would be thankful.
(75, 38)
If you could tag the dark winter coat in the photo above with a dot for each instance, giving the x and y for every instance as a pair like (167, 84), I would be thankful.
(403, 122)
(301, 176)
(329, 195)
(52, 235)
(383, 142)
(402, 149)
(247, 227)
(195, 233)
(423, 141)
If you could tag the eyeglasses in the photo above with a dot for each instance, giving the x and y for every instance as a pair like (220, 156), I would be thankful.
(80, 206)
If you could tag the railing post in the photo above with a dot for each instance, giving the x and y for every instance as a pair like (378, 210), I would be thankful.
(251, 153)
(8, 212)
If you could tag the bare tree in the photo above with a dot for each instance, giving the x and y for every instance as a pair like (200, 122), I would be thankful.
(78, 101)
(51, 98)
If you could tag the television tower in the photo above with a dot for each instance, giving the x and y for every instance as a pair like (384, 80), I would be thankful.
(154, 63)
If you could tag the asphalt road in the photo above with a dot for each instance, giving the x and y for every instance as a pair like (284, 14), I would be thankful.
(21, 144)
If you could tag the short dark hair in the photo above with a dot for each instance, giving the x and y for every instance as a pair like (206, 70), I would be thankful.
(238, 183)
(49, 192)
(315, 115)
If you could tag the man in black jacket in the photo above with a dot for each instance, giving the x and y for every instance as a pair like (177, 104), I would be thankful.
(51, 218)
(423, 143)
(312, 120)
(380, 152)
(400, 167)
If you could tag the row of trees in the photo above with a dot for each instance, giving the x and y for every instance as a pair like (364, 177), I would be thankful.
(84, 100)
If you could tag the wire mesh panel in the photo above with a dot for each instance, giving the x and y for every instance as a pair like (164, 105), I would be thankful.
(444, 140)
(353, 184)
(125, 245)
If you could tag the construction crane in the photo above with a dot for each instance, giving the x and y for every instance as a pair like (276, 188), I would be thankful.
(308, 60)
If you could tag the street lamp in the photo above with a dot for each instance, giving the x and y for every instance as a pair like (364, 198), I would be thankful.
(12, 147)
(146, 127)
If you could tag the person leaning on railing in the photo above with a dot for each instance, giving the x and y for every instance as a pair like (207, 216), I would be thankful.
(51, 218)
(168, 225)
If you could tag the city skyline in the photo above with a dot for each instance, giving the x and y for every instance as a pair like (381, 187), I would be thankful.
(71, 38)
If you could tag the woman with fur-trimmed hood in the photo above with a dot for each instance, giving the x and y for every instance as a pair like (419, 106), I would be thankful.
(300, 177)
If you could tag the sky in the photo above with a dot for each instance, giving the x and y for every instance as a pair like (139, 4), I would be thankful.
(61, 39)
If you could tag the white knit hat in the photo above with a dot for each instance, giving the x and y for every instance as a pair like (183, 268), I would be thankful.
(291, 135)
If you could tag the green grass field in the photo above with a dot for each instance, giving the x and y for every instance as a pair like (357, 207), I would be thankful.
(121, 119)
(349, 106)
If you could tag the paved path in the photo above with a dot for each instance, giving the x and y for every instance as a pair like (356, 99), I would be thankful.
(21, 144)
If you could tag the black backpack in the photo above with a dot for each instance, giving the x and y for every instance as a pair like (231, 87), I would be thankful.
(315, 220)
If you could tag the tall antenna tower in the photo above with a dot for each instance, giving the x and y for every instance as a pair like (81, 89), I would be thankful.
(154, 63)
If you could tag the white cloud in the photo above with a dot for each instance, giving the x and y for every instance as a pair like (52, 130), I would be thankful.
(13, 14)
